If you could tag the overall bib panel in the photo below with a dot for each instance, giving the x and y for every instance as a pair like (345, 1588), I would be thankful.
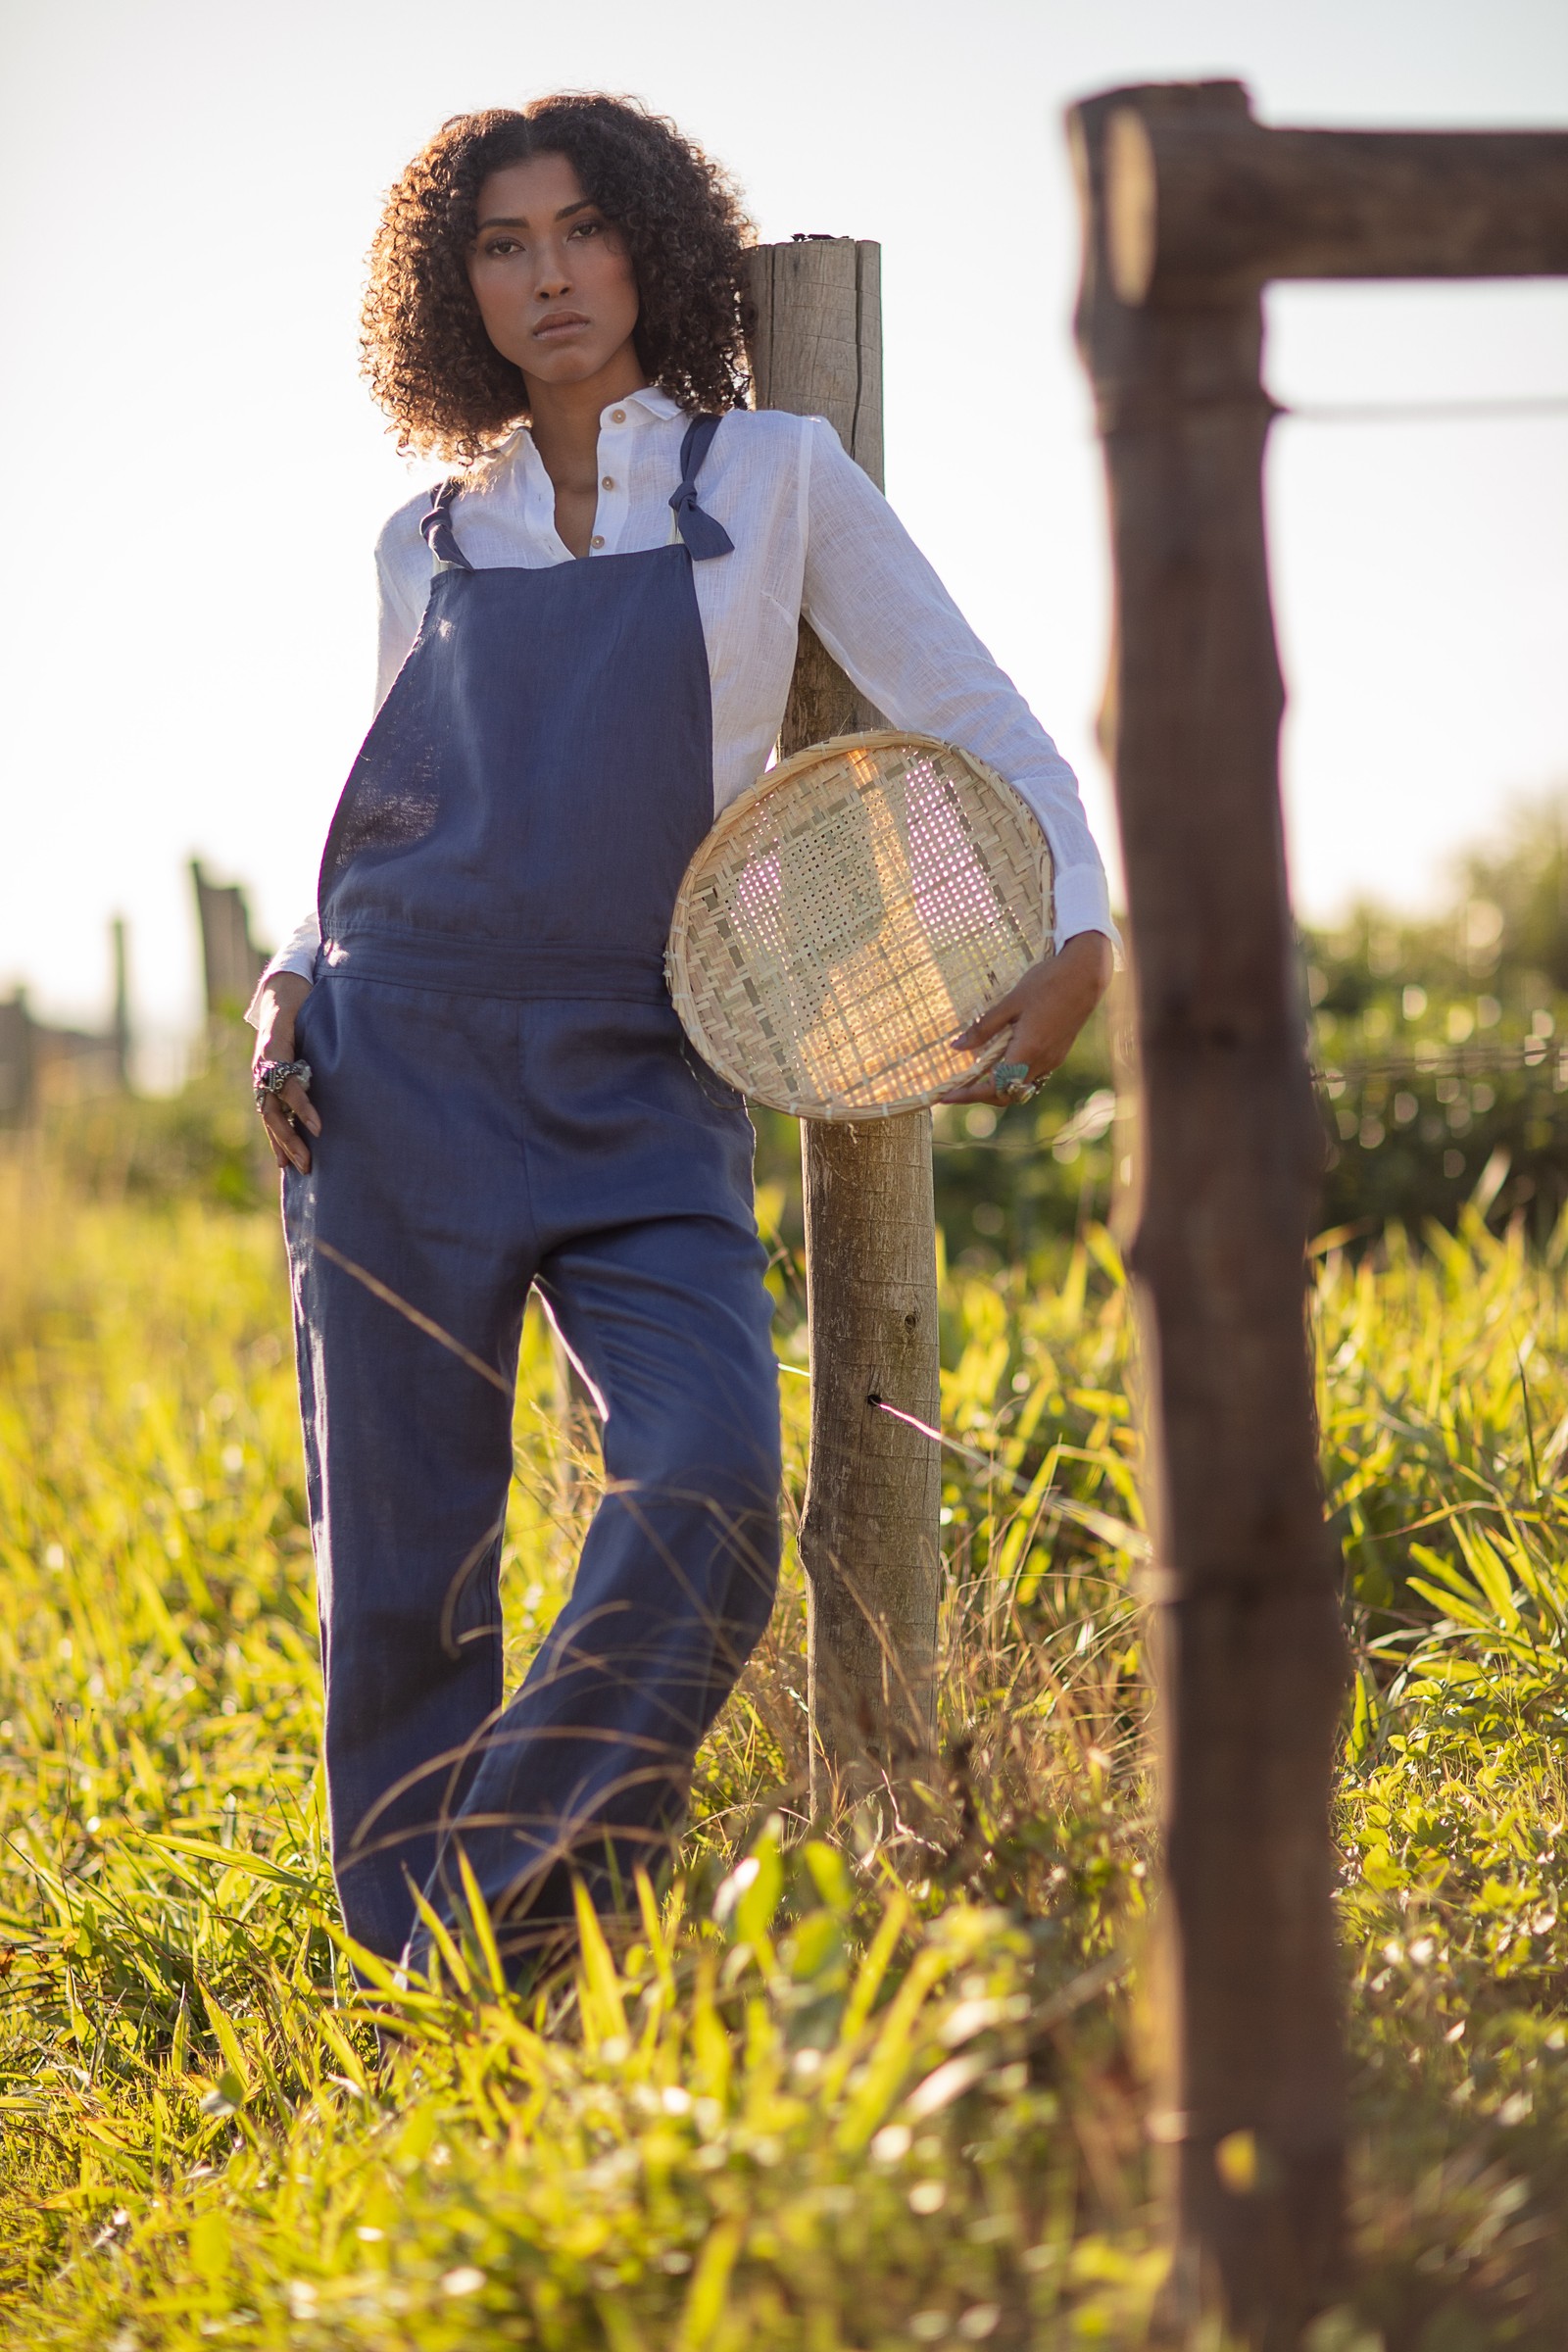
(508, 1100)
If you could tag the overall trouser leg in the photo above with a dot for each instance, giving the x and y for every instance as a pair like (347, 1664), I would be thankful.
(408, 1445)
(586, 1773)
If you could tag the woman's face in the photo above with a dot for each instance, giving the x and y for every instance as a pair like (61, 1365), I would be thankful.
(552, 278)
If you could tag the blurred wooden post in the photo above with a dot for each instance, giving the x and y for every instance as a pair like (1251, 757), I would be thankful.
(1188, 208)
(1251, 1654)
(869, 1536)
(42, 1065)
(17, 1060)
(231, 963)
(119, 941)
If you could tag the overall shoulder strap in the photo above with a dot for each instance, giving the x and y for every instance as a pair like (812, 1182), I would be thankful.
(702, 535)
(435, 528)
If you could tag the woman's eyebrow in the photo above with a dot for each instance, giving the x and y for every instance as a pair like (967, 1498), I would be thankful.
(584, 204)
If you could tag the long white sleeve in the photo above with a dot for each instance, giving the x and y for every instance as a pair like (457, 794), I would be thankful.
(885, 618)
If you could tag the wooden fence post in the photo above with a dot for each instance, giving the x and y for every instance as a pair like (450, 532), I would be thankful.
(869, 1536)
(119, 950)
(1189, 207)
(19, 1065)
(231, 963)
(1250, 1648)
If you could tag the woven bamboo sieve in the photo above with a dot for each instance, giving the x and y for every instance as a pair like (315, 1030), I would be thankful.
(863, 901)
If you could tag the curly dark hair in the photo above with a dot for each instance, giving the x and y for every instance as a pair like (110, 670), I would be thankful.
(432, 367)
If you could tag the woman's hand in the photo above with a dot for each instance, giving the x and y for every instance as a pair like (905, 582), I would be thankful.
(1045, 1012)
(284, 1114)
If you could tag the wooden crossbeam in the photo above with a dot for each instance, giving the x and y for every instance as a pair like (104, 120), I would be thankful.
(1203, 203)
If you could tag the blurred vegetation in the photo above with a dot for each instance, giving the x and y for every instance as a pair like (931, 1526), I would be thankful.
(1444, 1044)
(203, 1143)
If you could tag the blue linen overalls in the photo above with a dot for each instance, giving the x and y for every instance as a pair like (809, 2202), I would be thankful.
(507, 1100)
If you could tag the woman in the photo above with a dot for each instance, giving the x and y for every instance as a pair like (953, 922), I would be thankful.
(586, 645)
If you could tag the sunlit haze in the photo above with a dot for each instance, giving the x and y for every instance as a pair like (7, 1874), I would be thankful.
(196, 476)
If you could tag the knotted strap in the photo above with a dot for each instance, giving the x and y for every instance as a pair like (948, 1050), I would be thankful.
(702, 535)
(435, 528)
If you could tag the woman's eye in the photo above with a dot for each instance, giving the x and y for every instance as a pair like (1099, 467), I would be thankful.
(501, 246)
(587, 228)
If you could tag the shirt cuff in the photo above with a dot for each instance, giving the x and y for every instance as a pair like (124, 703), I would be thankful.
(1083, 904)
(298, 954)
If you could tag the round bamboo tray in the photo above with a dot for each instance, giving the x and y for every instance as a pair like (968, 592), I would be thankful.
(847, 916)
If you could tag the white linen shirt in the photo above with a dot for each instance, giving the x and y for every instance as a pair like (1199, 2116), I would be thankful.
(813, 536)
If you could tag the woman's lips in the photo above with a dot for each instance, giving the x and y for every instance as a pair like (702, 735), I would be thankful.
(564, 323)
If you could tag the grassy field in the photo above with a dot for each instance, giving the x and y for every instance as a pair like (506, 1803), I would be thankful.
(873, 2087)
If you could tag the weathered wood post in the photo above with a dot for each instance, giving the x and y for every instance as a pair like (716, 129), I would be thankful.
(231, 962)
(1251, 1651)
(1188, 208)
(869, 1536)
(18, 1060)
(120, 950)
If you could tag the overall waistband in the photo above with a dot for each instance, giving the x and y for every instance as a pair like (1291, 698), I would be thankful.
(482, 968)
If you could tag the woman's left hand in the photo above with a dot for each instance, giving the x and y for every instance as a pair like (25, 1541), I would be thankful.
(1045, 1012)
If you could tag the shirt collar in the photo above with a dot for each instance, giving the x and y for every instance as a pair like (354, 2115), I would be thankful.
(651, 399)
(518, 449)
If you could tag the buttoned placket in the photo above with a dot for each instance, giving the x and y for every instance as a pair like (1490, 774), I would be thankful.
(613, 504)
(615, 427)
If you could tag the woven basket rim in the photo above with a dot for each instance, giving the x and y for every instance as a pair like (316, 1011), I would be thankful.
(732, 818)
(833, 747)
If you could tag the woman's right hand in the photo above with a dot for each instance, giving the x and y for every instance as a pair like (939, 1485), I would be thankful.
(283, 1115)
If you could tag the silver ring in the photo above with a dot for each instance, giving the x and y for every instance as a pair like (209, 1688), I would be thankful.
(271, 1078)
(1013, 1080)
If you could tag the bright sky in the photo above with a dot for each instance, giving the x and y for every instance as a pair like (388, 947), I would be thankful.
(196, 476)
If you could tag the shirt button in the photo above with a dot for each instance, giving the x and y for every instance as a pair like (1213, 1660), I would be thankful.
(597, 540)
(608, 483)
(618, 415)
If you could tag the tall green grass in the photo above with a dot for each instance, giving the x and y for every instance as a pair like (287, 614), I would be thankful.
(869, 2083)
